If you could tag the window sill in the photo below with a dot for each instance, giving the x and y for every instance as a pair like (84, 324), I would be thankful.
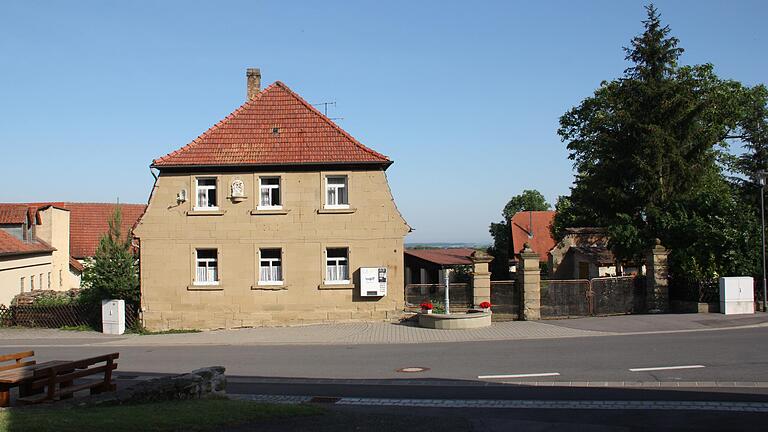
(259, 287)
(205, 212)
(336, 210)
(259, 212)
(335, 286)
(194, 287)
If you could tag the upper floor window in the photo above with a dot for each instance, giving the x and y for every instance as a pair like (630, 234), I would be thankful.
(207, 267)
(32, 283)
(336, 195)
(269, 193)
(206, 194)
(337, 266)
(22, 284)
(270, 267)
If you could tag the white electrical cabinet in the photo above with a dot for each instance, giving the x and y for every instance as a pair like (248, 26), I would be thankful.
(373, 281)
(113, 316)
(737, 295)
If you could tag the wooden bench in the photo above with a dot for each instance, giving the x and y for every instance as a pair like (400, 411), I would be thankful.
(20, 360)
(57, 381)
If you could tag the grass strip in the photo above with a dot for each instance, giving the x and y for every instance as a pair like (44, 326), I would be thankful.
(193, 415)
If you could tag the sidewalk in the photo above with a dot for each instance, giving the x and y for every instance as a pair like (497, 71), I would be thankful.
(388, 333)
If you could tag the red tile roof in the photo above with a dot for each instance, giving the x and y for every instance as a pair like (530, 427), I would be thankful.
(449, 256)
(10, 245)
(276, 127)
(539, 237)
(75, 264)
(13, 213)
(89, 221)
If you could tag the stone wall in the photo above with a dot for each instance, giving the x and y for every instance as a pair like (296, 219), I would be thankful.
(198, 384)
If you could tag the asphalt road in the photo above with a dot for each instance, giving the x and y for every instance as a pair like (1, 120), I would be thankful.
(717, 356)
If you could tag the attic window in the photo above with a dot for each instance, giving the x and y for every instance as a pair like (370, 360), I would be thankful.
(275, 131)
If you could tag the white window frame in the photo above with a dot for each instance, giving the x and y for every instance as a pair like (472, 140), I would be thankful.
(271, 188)
(199, 187)
(208, 267)
(49, 280)
(271, 266)
(328, 187)
(22, 284)
(32, 283)
(338, 262)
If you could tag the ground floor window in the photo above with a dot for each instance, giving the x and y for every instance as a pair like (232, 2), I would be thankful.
(207, 267)
(270, 267)
(337, 265)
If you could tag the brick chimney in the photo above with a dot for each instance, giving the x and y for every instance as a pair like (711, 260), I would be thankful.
(254, 82)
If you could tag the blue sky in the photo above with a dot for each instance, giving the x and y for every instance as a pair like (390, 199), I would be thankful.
(464, 96)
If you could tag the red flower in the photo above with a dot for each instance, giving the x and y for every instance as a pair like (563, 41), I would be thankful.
(426, 305)
(485, 305)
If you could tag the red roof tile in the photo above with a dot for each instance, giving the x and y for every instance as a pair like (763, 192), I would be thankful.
(10, 245)
(449, 256)
(13, 213)
(276, 127)
(533, 227)
(89, 221)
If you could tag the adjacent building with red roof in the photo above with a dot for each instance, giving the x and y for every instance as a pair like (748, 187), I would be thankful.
(534, 228)
(274, 215)
(44, 245)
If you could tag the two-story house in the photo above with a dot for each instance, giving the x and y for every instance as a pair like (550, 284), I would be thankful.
(267, 219)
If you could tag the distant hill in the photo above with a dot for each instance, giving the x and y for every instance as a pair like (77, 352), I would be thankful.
(443, 245)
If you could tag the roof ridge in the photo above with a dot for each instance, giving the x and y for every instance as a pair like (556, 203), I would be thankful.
(329, 121)
(219, 124)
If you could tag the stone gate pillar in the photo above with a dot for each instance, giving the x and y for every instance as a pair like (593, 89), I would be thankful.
(529, 279)
(657, 282)
(481, 277)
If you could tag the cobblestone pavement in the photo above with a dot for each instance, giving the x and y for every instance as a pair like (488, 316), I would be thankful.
(761, 407)
(393, 333)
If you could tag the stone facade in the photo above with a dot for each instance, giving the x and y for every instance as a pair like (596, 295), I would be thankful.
(171, 231)
(657, 282)
(481, 277)
(529, 275)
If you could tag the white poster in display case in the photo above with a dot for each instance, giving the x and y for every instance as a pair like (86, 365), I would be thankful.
(373, 281)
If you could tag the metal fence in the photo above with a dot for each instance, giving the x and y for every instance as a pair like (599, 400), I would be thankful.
(599, 296)
(460, 294)
(505, 300)
(71, 315)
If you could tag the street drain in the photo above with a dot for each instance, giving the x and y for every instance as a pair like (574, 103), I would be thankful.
(413, 369)
(127, 377)
(325, 399)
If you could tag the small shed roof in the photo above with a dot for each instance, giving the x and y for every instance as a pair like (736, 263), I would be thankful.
(447, 256)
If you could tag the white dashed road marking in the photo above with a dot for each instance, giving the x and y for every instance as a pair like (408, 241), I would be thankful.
(545, 374)
(659, 368)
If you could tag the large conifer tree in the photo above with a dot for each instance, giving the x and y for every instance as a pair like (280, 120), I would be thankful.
(646, 148)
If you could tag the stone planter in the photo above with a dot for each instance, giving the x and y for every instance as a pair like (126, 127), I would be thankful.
(455, 321)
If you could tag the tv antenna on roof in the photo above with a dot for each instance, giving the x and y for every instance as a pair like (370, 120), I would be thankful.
(325, 109)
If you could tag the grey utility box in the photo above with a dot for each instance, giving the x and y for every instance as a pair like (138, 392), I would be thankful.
(113, 316)
(737, 295)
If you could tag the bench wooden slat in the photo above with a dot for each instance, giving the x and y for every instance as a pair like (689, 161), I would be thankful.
(17, 365)
(16, 356)
(77, 364)
(71, 376)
